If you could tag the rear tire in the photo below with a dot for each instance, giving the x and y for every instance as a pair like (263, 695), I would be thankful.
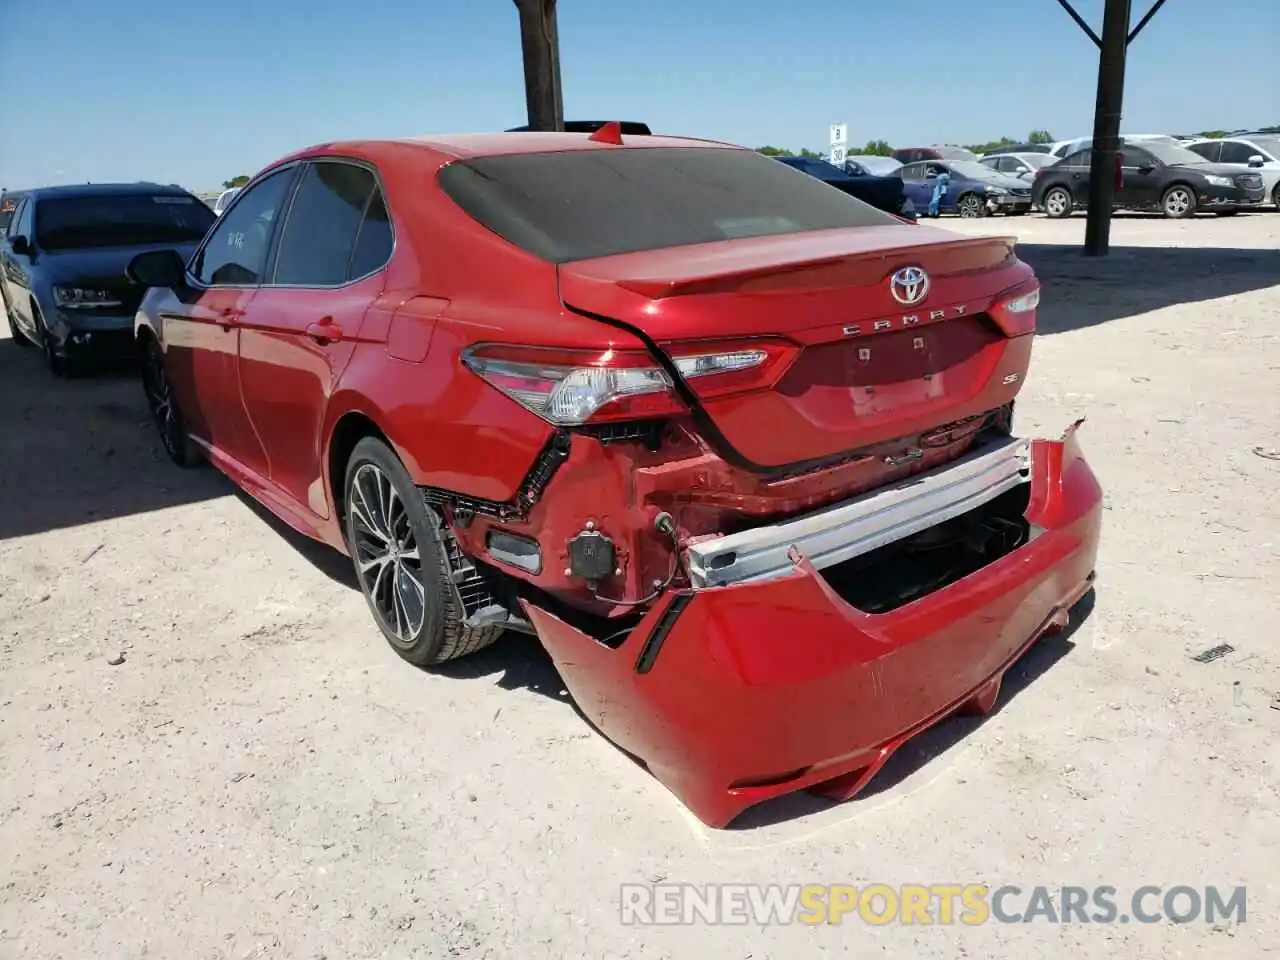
(1275, 196)
(1058, 203)
(1178, 202)
(397, 548)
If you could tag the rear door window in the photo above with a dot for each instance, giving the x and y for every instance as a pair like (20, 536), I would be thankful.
(1233, 151)
(581, 204)
(321, 231)
(1210, 150)
(375, 241)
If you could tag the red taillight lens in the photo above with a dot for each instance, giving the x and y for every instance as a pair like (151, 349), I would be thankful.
(1016, 313)
(718, 368)
(572, 387)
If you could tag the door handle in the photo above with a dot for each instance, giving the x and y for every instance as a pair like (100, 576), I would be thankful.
(228, 316)
(324, 331)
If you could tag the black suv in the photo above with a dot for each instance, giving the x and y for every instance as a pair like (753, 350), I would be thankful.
(63, 259)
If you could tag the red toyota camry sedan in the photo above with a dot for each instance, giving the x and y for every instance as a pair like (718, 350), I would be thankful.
(736, 447)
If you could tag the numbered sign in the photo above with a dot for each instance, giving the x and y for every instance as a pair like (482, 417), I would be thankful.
(839, 134)
(837, 156)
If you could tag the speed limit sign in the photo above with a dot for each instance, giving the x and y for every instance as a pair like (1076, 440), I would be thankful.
(837, 156)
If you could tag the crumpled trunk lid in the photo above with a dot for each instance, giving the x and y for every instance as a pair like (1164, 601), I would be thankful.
(868, 367)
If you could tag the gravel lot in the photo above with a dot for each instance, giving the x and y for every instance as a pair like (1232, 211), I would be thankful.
(262, 777)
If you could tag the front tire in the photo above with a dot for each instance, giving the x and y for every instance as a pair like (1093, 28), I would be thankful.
(19, 338)
(970, 206)
(1058, 203)
(1178, 202)
(165, 414)
(397, 548)
(58, 365)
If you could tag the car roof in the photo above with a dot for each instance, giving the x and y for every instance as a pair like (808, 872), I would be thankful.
(106, 189)
(469, 146)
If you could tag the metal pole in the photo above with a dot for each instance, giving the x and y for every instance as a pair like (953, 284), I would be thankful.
(540, 42)
(1106, 126)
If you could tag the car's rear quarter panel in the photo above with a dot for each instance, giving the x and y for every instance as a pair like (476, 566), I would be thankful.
(453, 284)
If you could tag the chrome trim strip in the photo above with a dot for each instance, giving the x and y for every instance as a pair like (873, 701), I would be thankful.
(854, 527)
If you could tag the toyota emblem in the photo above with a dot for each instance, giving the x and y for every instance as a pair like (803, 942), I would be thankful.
(909, 286)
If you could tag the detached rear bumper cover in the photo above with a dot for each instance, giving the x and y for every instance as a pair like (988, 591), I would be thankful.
(738, 693)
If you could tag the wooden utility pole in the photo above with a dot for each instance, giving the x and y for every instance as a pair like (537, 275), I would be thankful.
(1106, 127)
(540, 42)
(1113, 47)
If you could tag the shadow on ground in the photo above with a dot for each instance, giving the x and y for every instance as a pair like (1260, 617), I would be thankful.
(1080, 291)
(80, 450)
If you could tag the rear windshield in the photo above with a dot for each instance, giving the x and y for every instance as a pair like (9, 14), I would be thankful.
(582, 204)
(127, 220)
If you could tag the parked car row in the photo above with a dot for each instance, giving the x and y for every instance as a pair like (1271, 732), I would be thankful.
(1155, 172)
(735, 446)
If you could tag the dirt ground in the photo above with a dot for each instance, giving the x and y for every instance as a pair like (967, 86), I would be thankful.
(262, 777)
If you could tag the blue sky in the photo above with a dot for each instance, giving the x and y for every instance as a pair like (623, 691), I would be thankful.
(195, 93)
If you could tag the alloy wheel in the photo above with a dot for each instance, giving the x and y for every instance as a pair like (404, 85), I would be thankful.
(970, 207)
(160, 401)
(1055, 204)
(386, 554)
(1178, 202)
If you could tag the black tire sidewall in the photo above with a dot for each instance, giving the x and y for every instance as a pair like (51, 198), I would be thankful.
(58, 365)
(970, 201)
(179, 448)
(19, 338)
(425, 648)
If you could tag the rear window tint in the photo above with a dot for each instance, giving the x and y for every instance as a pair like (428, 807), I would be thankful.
(578, 205)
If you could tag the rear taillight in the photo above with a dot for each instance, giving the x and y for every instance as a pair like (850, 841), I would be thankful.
(574, 387)
(1016, 314)
(570, 387)
(719, 368)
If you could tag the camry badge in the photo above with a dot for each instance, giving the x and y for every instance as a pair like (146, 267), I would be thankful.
(909, 286)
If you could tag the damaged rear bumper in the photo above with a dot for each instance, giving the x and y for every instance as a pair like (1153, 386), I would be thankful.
(763, 679)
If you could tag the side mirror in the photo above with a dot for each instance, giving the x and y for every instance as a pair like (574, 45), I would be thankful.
(20, 245)
(1257, 160)
(159, 268)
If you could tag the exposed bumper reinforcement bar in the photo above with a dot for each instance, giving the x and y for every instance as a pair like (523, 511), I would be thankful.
(858, 526)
